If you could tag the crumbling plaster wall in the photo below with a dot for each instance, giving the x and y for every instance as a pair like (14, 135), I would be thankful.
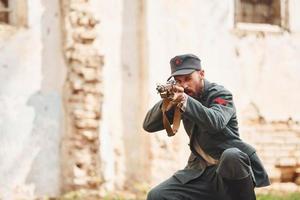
(80, 160)
(32, 72)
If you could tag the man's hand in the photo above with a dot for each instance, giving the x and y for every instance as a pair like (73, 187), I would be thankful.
(178, 98)
(179, 95)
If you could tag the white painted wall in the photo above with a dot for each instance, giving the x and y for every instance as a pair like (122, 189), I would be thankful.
(32, 72)
(109, 44)
(122, 150)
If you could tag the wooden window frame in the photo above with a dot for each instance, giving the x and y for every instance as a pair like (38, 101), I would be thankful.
(261, 27)
(5, 10)
(17, 10)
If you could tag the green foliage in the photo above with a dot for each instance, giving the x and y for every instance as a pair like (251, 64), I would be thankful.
(292, 196)
(114, 197)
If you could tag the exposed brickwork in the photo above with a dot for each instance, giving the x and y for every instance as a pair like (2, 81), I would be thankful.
(82, 100)
(278, 145)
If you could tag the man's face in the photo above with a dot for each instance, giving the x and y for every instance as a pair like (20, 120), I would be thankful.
(192, 83)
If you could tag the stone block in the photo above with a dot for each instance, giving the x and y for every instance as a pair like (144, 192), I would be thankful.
(79, 172)
(89, 74)
(92, 88)
(94, 61)
(84, 114)
(87, 123)
(76, 98)
(287, 162)
(287, 174)
(90, 135)
(85, 36)
(297, 180)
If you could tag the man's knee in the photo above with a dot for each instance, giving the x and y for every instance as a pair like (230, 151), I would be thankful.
(233, 155)
(234, 164)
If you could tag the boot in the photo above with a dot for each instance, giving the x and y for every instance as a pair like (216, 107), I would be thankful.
(242, 189)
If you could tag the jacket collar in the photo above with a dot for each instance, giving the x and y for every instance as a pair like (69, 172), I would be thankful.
(204, 93)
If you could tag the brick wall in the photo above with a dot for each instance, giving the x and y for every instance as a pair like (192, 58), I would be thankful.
(82, 99)
(278, 145)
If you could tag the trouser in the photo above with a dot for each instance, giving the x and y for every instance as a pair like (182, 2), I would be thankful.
(218, 182)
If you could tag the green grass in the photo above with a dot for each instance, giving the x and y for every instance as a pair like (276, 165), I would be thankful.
(292, 196)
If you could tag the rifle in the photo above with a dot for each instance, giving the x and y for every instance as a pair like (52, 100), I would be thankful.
(166, 92)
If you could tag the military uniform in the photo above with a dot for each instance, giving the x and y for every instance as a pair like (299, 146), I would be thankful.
(218, 155)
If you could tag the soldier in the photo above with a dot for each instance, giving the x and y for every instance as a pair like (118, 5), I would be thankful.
(221, 166)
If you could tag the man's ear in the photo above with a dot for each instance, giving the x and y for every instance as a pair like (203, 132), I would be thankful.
(202, 74)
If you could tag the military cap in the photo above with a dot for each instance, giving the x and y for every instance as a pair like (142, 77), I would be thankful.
(184, 64)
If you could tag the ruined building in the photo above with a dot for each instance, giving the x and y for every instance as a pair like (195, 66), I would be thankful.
(77, 77)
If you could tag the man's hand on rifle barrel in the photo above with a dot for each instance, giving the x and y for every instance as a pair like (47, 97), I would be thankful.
(179, 95)
(173, 93)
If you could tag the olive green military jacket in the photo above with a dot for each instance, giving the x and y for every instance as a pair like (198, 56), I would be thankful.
(210, 122)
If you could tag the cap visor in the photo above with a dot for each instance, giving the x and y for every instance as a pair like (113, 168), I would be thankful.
(182, 72)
